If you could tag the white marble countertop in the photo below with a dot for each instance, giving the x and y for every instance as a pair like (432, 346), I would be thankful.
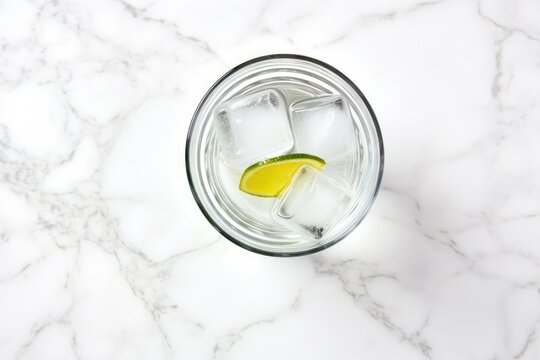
(105, 255)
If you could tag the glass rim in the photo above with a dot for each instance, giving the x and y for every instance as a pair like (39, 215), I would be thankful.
(189, 139)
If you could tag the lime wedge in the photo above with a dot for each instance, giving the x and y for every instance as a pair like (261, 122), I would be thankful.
(269, 177)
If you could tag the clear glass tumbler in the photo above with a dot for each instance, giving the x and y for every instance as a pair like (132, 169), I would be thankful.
(299, 77)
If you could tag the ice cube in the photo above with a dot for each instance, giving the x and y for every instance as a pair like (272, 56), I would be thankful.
(323, 126)
(312, 203)
(253, 127)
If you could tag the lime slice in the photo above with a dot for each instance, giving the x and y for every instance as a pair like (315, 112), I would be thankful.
(269, 177)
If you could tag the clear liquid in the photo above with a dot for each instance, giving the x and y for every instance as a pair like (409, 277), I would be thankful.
(244, 219)
(255, 212)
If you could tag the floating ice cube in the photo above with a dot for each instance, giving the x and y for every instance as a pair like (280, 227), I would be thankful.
(253, 127)
(323, 126)
(312, 203)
